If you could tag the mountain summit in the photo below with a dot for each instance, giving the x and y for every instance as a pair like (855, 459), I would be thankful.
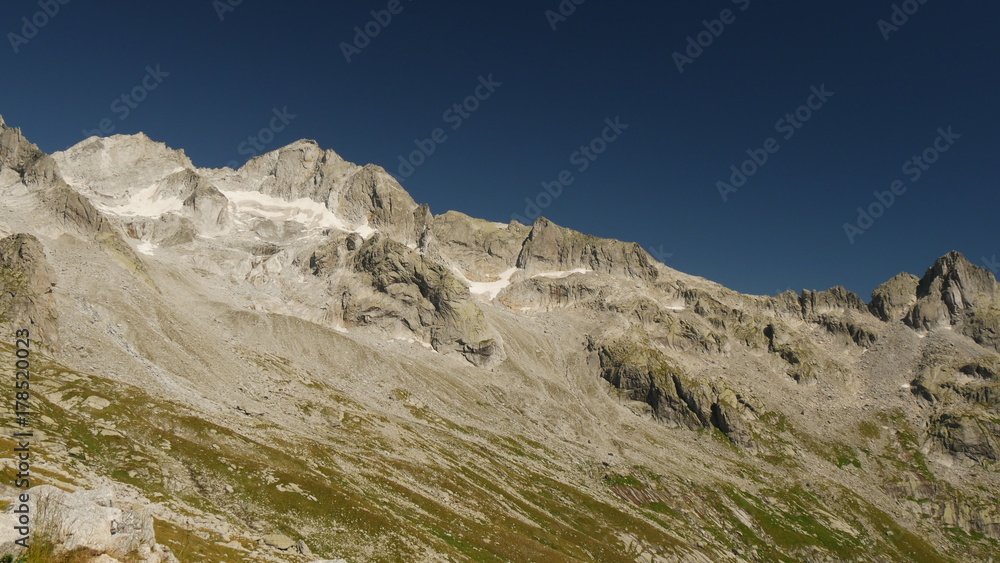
(295, 357)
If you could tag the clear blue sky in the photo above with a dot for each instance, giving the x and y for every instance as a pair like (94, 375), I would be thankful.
(656, 183)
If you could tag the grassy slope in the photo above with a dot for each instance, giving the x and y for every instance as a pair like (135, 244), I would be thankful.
(476, 496)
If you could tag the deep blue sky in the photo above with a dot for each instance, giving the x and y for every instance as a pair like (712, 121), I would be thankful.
(655, 184)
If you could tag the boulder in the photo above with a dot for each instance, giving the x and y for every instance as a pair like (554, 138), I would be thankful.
(85, 522)
(279, 541)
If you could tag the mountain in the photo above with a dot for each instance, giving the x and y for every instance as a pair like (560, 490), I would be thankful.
(295, 358)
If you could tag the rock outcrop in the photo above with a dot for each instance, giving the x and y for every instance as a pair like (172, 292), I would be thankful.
(956, 292)
(640, 372)
(965, 396)
(804, 363)
(894, 299)
(834, 300)
(425, 297)
(85, 524)
(551, 247)
(374, 197)
(476, 245)
(207, 208)
(27, 282)
(16, 152)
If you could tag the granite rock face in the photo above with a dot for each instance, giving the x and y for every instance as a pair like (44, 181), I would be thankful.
(475, 245)
(640, 372)
(551, 247)
(894, 299)
(837, 299)
(956, 292)
(425, 297)
(208, 208)
(27, 282)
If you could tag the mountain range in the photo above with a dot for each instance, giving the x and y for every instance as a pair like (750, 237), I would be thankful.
(296, 360)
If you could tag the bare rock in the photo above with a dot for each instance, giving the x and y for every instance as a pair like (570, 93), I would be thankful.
(477, 245)
(894, 299)
(962, 435)
(951, 290)
(425, 296)
(551, 247)
(208, 208)
(642, 373)
(86, 522)
(837, 299)
(372, 195)
(279, 541)
(27, 281)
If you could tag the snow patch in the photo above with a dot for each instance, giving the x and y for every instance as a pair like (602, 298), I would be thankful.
(412, 341)
(309, 213)
(561, 274)
(146, 247)
(489, 289)
(146, 204)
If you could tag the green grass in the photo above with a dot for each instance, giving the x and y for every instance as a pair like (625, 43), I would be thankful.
(473, 495)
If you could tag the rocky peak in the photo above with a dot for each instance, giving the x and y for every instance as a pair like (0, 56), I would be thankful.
(952, 287)
(551, 247)
(372, 195)
(299, 170)
(835, 299)
(119, 166)
(16, 152)
(894, 299)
